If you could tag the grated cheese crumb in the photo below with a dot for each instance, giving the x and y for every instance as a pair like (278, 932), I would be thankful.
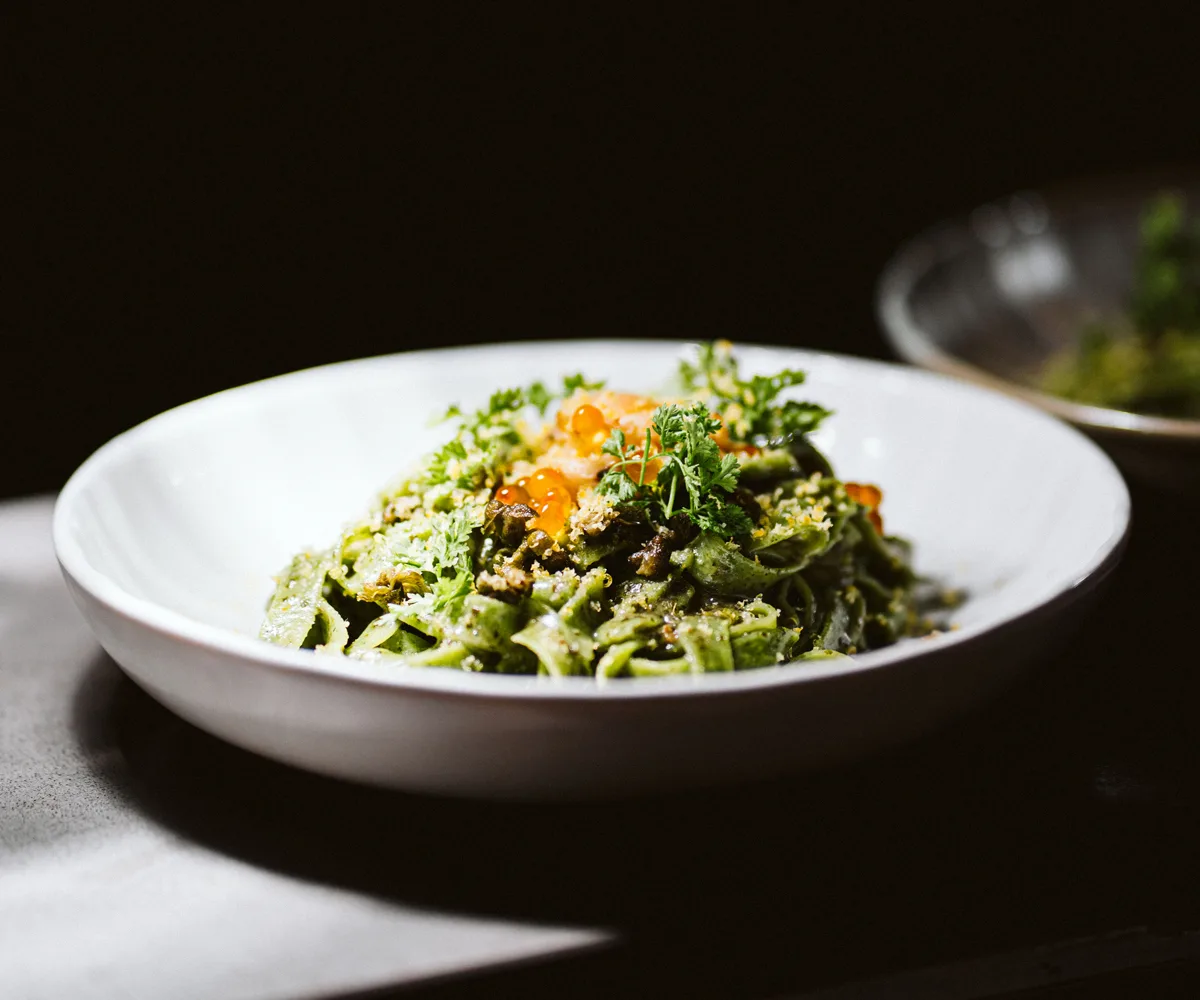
(592, 516)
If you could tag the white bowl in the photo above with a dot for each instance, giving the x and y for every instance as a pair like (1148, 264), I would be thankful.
(169, 534)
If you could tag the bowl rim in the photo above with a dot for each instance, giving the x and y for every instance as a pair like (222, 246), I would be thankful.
(950, 237)
(176, 626)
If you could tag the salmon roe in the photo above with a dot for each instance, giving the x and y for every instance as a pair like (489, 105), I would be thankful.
(553, 511)
(544, 480)
(557, 496)
(870, 497)
(865, 494)
(587, 420)
(511, 494)
(552, 518)
(589, 428)
(548, 493)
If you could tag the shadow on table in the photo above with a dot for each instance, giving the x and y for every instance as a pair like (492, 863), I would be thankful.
(1067, 807)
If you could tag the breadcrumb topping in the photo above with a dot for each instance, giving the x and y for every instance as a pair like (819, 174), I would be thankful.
(594, 513)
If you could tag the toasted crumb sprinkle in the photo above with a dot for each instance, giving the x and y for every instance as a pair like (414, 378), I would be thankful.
(594, 513)
(400, 509)
(539, 572)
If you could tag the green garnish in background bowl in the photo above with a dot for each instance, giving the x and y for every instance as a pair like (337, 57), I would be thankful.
(1147, 361)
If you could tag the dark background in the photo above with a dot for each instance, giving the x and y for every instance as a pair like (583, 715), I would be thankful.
(222, 197)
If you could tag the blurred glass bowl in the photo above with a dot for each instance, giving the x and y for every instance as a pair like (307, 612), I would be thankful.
(990, 297)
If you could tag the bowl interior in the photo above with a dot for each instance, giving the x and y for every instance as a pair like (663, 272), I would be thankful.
(196, 509)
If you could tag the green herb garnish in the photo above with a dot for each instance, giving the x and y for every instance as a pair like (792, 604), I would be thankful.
(667, 563)
(694, 478)
(751, 407)
(1149, 360)
(486, 437)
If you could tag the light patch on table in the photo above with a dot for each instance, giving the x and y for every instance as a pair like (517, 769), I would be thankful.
(98, 901)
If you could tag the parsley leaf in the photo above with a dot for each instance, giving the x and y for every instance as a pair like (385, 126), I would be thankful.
(694, 478)
(449, 589)
(727, 520)
(574, 383)
(437, 470)
(622, 481)
(485, 437)
(451, 541)
(505, 402)
(750, 407)
(695, 474)
(1166, 292)
(452, 548)
(615, 445)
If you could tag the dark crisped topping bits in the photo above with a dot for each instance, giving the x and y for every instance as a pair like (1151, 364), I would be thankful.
(653, 558)
(745, 499)
(679, 531)
(547, 550)
(508, 583)
(393, 586)
(507, 521)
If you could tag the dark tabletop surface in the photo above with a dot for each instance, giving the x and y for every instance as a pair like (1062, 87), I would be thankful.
(1051, 836)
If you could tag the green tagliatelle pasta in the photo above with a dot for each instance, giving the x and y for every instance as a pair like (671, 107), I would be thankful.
(628, 537)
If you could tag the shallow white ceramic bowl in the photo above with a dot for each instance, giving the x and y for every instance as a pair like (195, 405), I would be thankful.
(169, 534)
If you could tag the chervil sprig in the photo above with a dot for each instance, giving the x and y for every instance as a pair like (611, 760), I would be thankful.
(750, 407)
(504, 402)
(485, 435)
(693, 477)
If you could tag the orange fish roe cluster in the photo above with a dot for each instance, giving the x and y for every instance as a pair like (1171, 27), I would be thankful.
(512, 494)
(587, 421)
(870, 497)
(547, 492)
(573, 460)
(588, 427)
